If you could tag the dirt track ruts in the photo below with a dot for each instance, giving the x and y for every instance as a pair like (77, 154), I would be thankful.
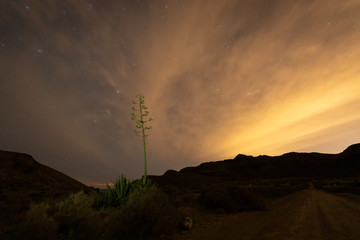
(306, 215)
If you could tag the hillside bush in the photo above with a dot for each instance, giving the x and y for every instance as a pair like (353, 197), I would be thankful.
(38, 224)
(73, 215)
(351, 185)
(146, 214)
(231, 199)
(70, 218)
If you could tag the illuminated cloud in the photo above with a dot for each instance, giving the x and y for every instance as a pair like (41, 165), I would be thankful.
(219, 78)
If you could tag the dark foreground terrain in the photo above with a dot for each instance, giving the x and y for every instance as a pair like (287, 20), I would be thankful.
(308, 214)
(292, 196)
(23, 181)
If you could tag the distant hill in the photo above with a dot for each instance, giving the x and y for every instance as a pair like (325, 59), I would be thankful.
(22, 180)
(289, 165)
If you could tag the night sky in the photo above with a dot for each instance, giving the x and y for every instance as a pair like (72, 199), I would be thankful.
(219, 78)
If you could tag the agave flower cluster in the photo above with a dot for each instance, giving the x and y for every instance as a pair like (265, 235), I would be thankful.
(140, 124)
(123, 187)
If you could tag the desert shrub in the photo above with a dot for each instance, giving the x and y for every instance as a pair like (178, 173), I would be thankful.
(271, 191)
(246, 199)
(231, 199)
(146, 214)
(38, 224)
(116, 196)
(217, 198)
(73, 214)
(279, 188)
(70, 218)
(181, 196)
(351, 185)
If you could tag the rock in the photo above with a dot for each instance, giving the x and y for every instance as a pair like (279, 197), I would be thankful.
(187, 224)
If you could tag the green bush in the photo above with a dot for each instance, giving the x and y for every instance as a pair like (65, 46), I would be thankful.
(351, 186)
(38, 224)
(146, 214)
(70, 218)
(231, 199)
(217, 198)
(73, 214)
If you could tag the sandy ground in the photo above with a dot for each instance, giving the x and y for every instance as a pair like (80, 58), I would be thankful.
(309, 214)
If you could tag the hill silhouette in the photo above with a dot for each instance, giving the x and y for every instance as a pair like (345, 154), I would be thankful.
(23, 180)
(289, 165)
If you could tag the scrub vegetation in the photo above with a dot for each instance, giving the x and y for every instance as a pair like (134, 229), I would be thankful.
(145, 213)
(234, 196)
(339, 185)
(131, 210)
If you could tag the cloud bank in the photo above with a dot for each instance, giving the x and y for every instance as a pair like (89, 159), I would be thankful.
(219, 78)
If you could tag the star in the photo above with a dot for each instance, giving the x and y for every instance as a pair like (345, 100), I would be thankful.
(39, 50)
(117, 91)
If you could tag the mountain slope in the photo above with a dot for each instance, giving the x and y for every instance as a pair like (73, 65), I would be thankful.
(23, 180)
(289, 165)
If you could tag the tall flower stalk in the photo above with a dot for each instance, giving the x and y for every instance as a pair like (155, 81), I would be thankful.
(139, 115)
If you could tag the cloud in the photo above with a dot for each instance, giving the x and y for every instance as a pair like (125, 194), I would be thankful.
(219, 78)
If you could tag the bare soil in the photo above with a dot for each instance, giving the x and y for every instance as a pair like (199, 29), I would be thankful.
(308, 214)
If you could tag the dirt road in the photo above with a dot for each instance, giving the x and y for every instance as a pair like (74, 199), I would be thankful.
(306, 215)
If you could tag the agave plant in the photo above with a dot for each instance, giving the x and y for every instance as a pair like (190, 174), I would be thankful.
(141, 122)
(121, 187)
(115, 196)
